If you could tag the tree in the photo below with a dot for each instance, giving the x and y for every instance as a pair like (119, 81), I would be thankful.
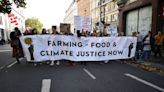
(34, 23)
(5, 5)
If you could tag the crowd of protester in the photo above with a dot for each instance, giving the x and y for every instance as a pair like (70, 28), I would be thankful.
(146, 45)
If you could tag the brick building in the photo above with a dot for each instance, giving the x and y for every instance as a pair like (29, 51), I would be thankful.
(83, 7)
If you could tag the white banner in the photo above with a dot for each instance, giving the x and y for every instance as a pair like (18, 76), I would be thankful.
(49, 47)
(112, 29)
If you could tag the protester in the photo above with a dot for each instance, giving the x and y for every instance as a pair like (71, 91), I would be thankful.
(27, 32)
(54, 32)
(94, 34)
(88, 34)
(100, 34)
(121, 34)
(68, 33)
(146, 47)
(16, 44)
(2, 41)
(105, 34)
(71, 63)
(139, 45)
(78, 33)
(83, 34)
(158, 44)
(134, 34)
(44, 31)
(34, 31)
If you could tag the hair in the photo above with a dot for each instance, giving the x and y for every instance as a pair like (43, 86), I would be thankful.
(78, 33)
(44, 31)
(16, 28)
(54, 27)
(34, 31)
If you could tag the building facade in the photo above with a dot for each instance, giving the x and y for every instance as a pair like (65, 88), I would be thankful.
(83, 7)
(70, 13)
(104, 10)
(140, 16)
(9, 21)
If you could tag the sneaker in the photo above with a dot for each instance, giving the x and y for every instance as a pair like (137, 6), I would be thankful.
(18, 62)
(35, 64)
(106, 61)
(101, 62)
(52, 63)
(57, 63)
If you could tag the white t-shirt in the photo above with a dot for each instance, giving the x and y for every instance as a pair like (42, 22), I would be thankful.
(147, 47)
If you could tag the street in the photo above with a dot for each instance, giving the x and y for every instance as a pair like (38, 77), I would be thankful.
(94, 77)
(5, 55)
(116, 46)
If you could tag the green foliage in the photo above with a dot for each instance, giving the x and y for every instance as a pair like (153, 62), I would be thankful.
(5, 5)
(34, 23)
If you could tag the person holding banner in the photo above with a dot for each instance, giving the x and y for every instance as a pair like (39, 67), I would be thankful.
(44, 31)
(147, 47)
(83, 34)
(95, 34)
(54, 32)
(34, 31)
(16, 44)
(69, 61)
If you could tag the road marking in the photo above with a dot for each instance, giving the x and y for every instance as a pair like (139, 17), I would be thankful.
(46, 84)
(10, 65)
(144, 82)
(5, 50)
(90, 74)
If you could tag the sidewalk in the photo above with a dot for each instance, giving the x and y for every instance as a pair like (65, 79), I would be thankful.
(157, 62)
(153, 65)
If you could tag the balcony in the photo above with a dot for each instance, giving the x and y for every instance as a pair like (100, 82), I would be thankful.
(120, 2)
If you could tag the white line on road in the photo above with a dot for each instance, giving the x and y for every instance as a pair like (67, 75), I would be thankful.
(91, 75)
(144, 82)
(46, 84)
(5, 50)
(10, 65)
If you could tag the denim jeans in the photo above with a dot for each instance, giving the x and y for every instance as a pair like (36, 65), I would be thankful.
(146, 55)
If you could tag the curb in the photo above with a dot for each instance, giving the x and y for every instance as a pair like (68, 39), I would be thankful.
(146, 66)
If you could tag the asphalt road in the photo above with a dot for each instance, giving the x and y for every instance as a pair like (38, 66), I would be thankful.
(5, 55)
(94, 77)
(110, 77)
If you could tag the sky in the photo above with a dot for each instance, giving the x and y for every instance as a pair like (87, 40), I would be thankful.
(49, 12)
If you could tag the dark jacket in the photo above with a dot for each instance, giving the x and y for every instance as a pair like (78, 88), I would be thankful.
(14, 36)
